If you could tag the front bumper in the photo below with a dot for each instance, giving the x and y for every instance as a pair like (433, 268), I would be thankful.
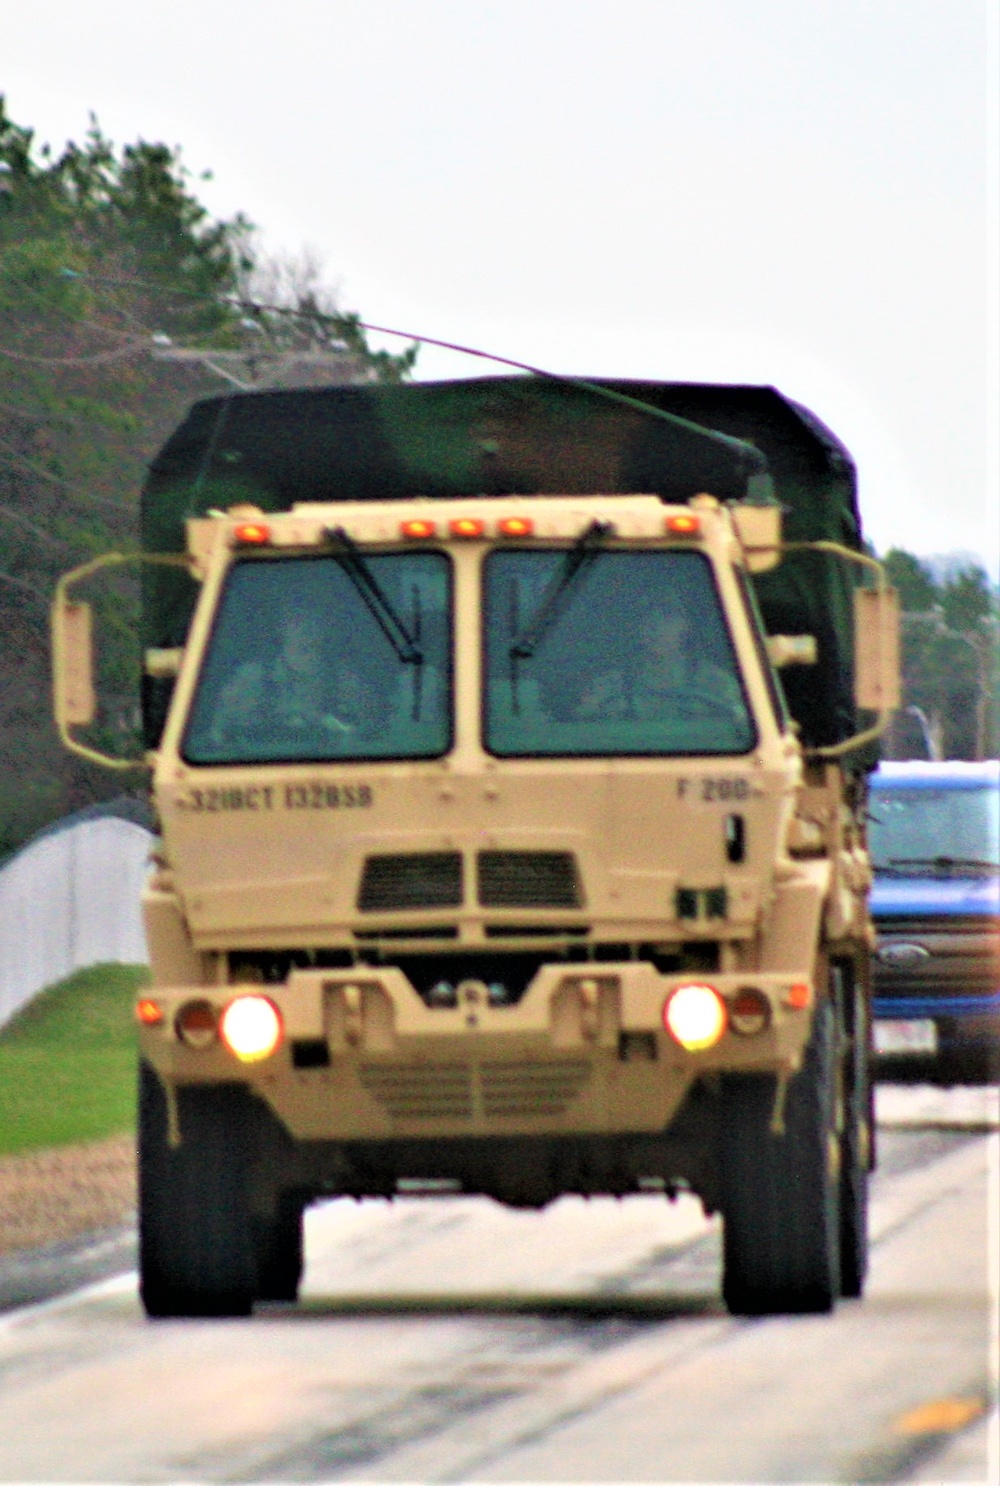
(963, 1025)
(583, 1052)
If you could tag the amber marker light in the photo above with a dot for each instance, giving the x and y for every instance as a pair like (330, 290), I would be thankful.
(516, 526)
(695, 1016)
(683, 524)
(252, 533)
(799, 996)
(148, 1012)
(467, 526)
(418, 530)
(251, 1028)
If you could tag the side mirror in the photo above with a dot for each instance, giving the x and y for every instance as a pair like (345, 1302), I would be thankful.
(876, 649)
(72, 664)
(73, 698)
(759, 531)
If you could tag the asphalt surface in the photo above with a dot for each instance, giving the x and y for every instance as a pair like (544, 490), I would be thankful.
(455, 1340)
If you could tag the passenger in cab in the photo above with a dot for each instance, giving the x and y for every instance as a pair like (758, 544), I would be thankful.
(669, 671)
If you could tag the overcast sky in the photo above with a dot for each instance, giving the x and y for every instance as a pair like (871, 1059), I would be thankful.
(795, 192)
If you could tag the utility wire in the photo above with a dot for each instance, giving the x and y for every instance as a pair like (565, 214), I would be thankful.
(36, 531)
(50, 415)
(24, 587)
(234, 302)
(340, 320)
(751, 457)
(18, 461)
(48, 301)
(136, 349)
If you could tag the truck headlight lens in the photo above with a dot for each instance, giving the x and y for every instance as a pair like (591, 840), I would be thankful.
(251, 1028)
(695, 1016)
(749, 1012)
(195, 1024)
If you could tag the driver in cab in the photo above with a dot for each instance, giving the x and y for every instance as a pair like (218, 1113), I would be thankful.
(302, 689)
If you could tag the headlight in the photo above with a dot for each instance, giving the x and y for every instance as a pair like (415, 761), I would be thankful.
(695, 1016)
(251, 1028)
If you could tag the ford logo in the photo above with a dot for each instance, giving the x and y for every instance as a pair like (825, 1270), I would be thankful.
(902, 954)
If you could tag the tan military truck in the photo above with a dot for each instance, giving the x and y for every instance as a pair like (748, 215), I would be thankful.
(494, 855)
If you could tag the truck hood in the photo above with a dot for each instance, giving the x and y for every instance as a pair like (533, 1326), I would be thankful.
(318, 857)
(896, 897)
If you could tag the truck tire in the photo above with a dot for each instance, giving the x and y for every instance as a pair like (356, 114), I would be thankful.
(780, 1204)
(195, 1242)
(855, 1147)
(279, 1251)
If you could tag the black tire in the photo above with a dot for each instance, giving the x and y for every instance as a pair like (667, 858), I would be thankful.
(279, 1251)
(781, 1221)
(195, 1242)
(855, 1141)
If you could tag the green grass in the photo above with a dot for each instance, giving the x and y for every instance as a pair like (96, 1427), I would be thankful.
(68, 1061)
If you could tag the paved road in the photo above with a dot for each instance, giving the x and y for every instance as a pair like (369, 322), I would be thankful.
(454, 1340)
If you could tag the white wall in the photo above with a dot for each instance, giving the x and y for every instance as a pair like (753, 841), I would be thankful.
(68, 900)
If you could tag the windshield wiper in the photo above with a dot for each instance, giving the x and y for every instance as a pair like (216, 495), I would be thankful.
(577, 560)
(376, 600)
(898, 865)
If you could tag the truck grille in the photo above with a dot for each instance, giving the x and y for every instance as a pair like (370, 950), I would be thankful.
(528, 879)
(428, 1091)
(429, 879)
(953, 957)
(531, 1088)
(500, 1090)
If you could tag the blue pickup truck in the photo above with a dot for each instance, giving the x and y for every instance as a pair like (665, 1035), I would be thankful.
(935, 842)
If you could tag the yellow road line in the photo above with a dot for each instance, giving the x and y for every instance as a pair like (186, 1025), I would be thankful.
(940, 1416)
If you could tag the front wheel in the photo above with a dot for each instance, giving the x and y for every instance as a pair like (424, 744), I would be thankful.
(780, 1192)
(279, 1246)
(195, 1239)
(855, 1140)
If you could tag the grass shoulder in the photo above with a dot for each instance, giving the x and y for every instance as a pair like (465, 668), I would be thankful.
(68, 1062)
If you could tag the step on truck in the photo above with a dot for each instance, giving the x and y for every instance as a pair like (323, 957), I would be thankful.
(508, 741)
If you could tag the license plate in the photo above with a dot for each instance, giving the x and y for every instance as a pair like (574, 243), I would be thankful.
(906, 1037)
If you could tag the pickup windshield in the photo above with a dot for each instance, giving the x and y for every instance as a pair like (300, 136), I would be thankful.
(304, 662)
(931, 832)
(634, 657)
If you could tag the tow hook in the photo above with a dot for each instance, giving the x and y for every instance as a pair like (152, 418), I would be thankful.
(777, 1126)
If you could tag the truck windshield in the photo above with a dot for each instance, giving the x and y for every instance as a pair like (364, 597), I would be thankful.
(933, 831)
(300, 667)
(636, 659)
